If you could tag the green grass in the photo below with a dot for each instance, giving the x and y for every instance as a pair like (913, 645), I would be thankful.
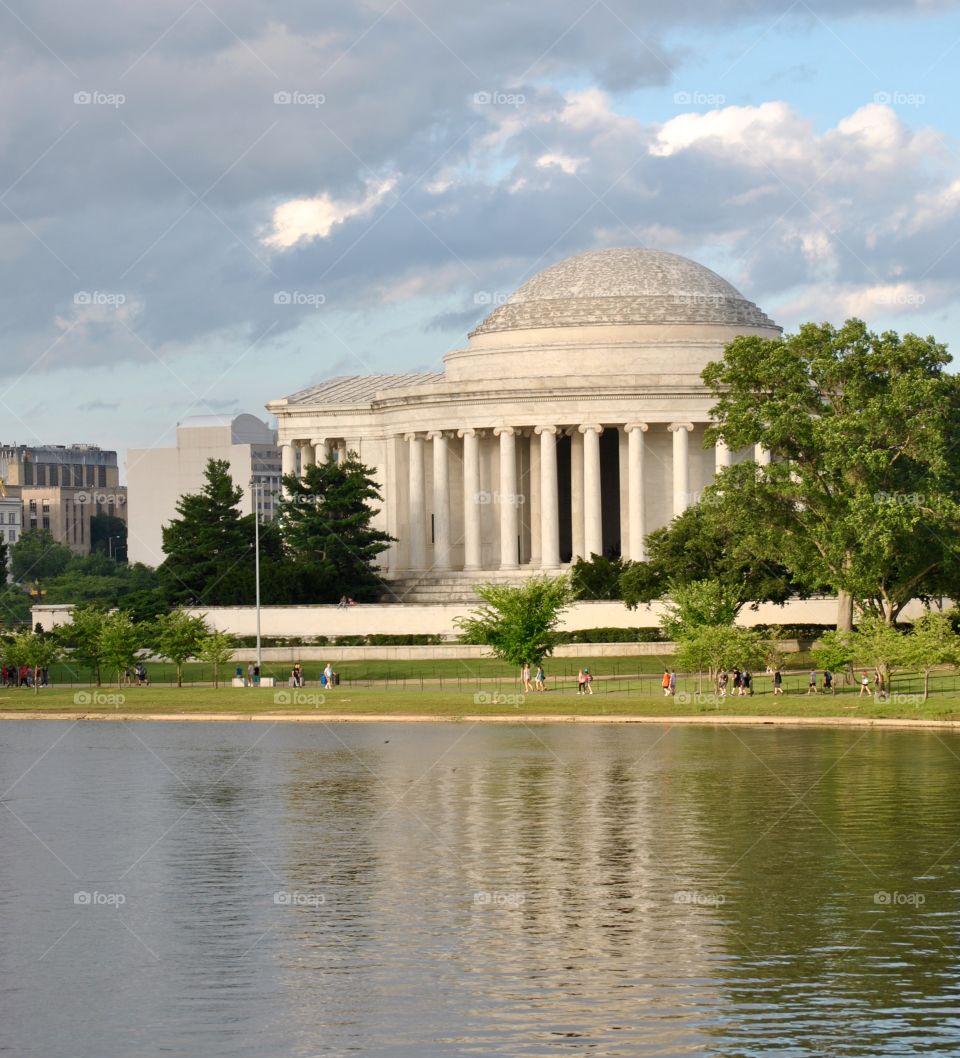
(612, 698)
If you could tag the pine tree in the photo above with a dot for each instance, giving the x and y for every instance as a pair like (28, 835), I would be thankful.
(325, 524)
(209, 548)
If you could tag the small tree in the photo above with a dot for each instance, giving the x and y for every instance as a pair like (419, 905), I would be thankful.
(217, 649)
(701, 602)
(35, 650)
(518, 624)
(717, 647)
(82, 636)
(178, 636)
(119, 641)
(932, 642)
(879, 645)
(834, 651)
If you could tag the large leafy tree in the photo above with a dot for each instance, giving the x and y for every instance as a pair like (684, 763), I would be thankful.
(178, 636)
(209, 547)
(82, 636)
(709, 541)
(326, 526)
(518, 624)
(862, 493)
(36, 556)
(119, 641)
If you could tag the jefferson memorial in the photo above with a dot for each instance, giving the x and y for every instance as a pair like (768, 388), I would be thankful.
(571, 424)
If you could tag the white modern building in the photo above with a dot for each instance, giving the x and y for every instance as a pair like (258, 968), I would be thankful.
(158, 477)
(571, 424)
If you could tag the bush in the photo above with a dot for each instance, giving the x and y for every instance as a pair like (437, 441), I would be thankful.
(613, 635)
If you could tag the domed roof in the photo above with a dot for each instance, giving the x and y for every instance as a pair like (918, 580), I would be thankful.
(628, 285)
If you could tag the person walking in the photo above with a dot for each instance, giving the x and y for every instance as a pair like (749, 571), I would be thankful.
(581, 682)
(812, 682)
(328, 672)
(864, 686)
(722, 681)
(665, 683)
(525, 677)
(588, 685)
(747, 683)
(827, 681)
(672, 686)
(539, 679)
(778, 682)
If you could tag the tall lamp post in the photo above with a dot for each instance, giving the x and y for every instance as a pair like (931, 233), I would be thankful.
(255, 493)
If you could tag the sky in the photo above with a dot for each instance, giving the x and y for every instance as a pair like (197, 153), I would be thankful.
(206, 206)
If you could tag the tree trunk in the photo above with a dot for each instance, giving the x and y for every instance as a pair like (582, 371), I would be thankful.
(97, 673)
(926, 684)
(844, 612)
(179, 675)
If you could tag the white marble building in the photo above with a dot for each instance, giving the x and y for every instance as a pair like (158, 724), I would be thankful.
(571, 424)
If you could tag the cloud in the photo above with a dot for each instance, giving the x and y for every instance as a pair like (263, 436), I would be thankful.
(311, 218)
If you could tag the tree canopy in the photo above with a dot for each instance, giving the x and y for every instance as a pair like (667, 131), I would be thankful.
(36, 556)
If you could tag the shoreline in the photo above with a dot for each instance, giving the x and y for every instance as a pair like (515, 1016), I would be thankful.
(469, 718)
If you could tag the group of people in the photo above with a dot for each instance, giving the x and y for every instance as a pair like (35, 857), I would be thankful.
(738, 682)
(137, 675)
(24, 676)
(538, 681)
(827, 688)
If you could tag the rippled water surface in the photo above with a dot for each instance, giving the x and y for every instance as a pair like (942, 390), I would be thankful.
(440, 889)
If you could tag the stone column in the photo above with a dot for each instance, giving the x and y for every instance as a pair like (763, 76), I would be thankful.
(441, 500)
(681, 466)
(635, 487)
(308, 455)
(762, 456)
(509, 509)
(341, 451)
(416, 519)
(549, 499)
(534, 513)
(471, 498)
(288, 463)
(576, 494)
(592, 492)
(722, 456)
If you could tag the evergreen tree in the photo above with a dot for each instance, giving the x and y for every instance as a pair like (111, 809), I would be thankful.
(325, 524)
(209, 548)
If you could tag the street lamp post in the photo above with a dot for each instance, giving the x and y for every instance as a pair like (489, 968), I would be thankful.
(255, 493)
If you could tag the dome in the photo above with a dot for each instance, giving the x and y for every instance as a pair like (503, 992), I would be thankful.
(624, 286)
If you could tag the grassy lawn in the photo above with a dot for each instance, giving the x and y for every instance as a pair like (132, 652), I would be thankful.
(610, 698)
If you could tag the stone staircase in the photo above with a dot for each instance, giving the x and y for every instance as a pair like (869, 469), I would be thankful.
(451, 586)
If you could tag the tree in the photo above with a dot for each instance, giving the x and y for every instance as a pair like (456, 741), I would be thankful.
(518, 624)
(217, 649)
(325, 523)
(699, 603)
(879, 645)
(108, 536)
(709, 541)
(714, 648)
(4, 563)
(598, 578)
(36, 556)
(209, 547)
(35, 650)
(120, 639)
(178, 636)
(834, 651)
(932, 642)
(862, 491)
(83, 636)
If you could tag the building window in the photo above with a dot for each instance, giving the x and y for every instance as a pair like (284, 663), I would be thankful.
(102, 477)
(33, 508)
(12, 533)
(28, 473)
(41, 474)
(46, 521)
(11, 519)
(53, 473)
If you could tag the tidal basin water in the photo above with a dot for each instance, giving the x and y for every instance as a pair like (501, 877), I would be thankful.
(444, 889)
